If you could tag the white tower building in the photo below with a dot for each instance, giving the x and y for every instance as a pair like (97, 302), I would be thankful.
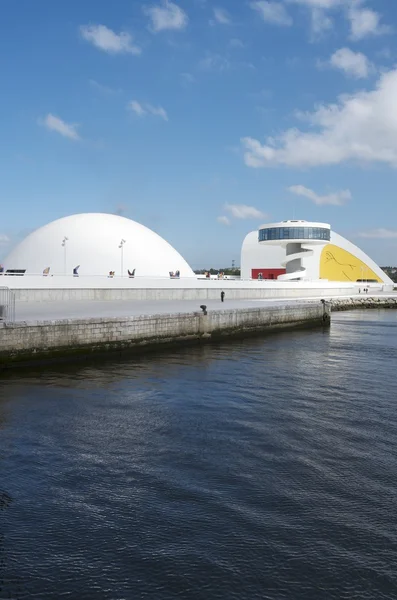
(300, 239)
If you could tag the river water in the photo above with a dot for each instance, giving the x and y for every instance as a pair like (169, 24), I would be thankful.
(261, 469)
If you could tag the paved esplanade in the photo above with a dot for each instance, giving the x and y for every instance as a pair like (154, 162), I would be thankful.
(86, 309)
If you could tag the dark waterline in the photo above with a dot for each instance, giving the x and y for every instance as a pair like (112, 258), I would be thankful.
(263, 469)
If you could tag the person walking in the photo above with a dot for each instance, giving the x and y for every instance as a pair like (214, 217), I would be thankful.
(222, 296)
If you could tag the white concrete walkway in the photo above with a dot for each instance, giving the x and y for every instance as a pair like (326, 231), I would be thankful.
(80, 309)
(85, 309)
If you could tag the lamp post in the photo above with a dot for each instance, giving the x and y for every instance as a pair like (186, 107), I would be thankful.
(65, 239)
(121, 246)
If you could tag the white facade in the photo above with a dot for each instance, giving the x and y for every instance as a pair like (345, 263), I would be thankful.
(255, 255)
(99, 243)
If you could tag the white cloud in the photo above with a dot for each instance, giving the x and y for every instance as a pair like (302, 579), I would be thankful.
(384, 234)
(242, 211)
(4, 239)
(236, 43)
(355, 64)
(384, 53)
(320, 21)
(323, 4)
(166, 16)
(104, 89)
(365, 22)
(188, 77)
(107, 40)
(361, 127)
(137, 108)
(157, 111)
(335, 199)
(319, 12)
(214, 62)
(54, 123)
(222, 16)
(272, 12)
(143, 109)
(224, 220)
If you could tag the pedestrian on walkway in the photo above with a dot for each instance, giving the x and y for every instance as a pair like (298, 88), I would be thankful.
(222, 296)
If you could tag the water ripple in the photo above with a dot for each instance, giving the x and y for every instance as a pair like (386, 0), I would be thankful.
(263, 469)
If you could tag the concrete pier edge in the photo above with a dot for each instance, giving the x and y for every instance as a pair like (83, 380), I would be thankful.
(24, 344)
(42, 342)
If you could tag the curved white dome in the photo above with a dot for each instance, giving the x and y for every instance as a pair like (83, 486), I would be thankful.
(93, 242)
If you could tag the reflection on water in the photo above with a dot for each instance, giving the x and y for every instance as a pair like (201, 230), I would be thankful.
(259, 469)
(5, 501)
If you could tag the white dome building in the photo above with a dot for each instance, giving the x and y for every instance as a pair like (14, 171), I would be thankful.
(97, 243)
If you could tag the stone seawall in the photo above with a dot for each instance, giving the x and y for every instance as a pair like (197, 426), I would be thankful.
(23, 343)
(339, 304)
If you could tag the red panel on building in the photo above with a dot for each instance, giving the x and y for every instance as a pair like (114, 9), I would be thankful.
(267, 273)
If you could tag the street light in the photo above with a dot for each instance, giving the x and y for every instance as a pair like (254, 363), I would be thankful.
(121, 246)
(65, 239)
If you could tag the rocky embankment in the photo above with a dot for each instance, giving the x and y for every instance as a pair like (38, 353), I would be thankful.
(363, 302)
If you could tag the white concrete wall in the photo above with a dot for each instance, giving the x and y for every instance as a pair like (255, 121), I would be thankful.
(312, 261)
(55, 289)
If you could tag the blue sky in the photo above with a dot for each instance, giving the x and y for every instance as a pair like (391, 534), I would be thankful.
(201, 119)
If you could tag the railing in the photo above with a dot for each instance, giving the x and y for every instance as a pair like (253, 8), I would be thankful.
(88, 275)
(7, 305)
(116, 277)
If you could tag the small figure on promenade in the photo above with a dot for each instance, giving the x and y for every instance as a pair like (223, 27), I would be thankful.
(76, 271)
(222, 296)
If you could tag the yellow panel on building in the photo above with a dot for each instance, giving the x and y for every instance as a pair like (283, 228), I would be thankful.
(337, 264)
